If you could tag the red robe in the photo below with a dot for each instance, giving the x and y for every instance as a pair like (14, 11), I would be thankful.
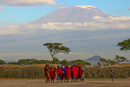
(75, 72)
(80, 71)
(46, 72)
(59, 72)
(52, 72)
(68, 72)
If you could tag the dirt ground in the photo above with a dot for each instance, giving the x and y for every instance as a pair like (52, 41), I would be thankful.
(86, 83)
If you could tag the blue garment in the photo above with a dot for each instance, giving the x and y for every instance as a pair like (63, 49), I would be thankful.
(64, 71)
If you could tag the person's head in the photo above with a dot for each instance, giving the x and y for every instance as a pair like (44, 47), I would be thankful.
(46, 65)
(67, 66)
(58, 66)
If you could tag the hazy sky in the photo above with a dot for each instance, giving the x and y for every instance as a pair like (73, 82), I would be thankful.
(19, 39)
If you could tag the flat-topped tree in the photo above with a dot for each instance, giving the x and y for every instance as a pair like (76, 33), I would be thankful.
(125, 45)
(55, 48)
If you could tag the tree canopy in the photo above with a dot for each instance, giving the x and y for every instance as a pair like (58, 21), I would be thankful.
(56, 48)
(120, 59)
(125, 45)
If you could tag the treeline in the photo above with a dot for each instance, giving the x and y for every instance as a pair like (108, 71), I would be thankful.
(56, 61)
(38, 72)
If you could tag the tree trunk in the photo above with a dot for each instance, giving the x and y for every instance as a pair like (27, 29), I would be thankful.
(52, 56)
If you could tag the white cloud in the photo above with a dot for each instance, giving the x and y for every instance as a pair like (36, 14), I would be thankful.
(100, 23)
(1, 8)
(26, 2)
(111, 19)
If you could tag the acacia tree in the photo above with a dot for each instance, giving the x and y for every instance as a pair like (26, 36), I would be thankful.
(125, 45)
(120, 59)
(55, 48)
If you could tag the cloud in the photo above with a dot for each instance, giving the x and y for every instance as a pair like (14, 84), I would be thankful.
(99, 23)
(1, 8)
(111, 19)
(26, 2)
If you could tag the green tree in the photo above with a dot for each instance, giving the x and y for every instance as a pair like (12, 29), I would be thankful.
(14, 63)
(120, 59)
(56, 61)
(28, 61)
(125, 45)
(79, 61)
(55, 48)
(64, 62)
(2, 62)
(106, 62)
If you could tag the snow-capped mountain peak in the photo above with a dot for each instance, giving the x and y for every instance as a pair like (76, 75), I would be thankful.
(86, 7)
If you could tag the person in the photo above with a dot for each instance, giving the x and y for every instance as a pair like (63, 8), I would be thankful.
(63, 72)
(59, 73)
(112, 75)
(47, 74)
(80, 72)
(67, 73)
(71, 69)
(52, 73)
(75, 72)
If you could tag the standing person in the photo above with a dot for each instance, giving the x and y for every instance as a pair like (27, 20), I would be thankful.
(71, 69)
(80, 72)
(59, 73)
(52, 73)
(46, 71)
(75, 72)
(63, 72)
(67, 73)
(112, 75)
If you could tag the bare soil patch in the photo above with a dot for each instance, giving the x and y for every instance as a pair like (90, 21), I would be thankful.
(86, 83)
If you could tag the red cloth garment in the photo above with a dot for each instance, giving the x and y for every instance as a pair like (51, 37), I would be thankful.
(47, 72)
(59, 72)
(68, 72)
(80, 71)
(75, 72)
(52, 72)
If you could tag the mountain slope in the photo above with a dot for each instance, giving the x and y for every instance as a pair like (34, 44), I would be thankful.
(93, 60)
(77, 14)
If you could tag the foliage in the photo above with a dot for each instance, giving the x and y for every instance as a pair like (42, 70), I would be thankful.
(106, 62)
(125, 45)
(13, 63)
(78, 61)
(56, 48)
(27, 61)
(120, 59)
(56, 61)
(2, 62)
(64, 62)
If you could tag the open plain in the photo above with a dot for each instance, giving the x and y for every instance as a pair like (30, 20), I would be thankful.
(86, 83)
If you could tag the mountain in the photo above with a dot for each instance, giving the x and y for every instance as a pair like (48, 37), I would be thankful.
(77, 14)
(93, 60)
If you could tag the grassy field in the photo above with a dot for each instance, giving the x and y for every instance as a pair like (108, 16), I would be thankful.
(37, 71)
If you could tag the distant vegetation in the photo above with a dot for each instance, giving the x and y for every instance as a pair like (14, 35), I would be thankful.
(56, 61)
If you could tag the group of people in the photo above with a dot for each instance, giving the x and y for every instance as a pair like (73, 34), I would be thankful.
(63, 73)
